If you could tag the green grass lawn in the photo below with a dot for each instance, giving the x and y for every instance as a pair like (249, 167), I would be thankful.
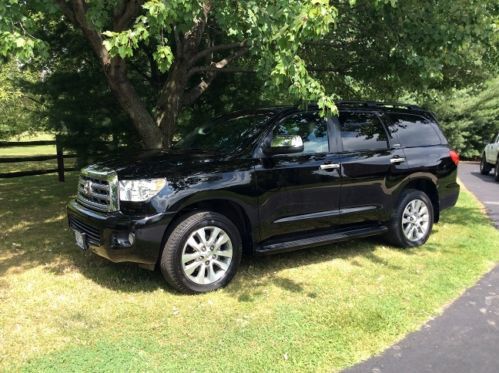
(315, 310)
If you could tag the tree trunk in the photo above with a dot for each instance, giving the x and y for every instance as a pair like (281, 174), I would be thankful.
(115, 69)
(158, 131)
(170, 101)
(129, 100)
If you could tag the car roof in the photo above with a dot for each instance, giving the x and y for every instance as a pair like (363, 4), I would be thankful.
(388, 107)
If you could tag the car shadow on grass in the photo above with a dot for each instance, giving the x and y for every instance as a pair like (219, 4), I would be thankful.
(261, 272)
(59, 255)
(125, 277)
(256, 273)
(37, 236)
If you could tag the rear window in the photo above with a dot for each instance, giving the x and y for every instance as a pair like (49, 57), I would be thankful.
(413, 130)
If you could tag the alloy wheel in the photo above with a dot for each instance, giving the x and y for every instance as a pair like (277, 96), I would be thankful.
(415, 220)
(207, 255)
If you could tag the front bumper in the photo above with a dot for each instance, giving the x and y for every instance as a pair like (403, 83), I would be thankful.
(103, 230)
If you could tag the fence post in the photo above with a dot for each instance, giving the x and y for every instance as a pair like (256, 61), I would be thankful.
(60, 158)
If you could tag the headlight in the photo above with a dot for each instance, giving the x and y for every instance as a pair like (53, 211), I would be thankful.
(140, 190)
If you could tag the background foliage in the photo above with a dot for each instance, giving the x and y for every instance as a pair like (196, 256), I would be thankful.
(439, 53)
(470, 117)
(17, 108)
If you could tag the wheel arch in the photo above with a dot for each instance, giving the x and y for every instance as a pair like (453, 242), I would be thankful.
(230, 209)
(484, 157)
(429, 187)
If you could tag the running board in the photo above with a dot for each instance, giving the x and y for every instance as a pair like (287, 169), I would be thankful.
(321, 239)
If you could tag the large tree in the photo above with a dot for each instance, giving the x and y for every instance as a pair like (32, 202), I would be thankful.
(313, 50)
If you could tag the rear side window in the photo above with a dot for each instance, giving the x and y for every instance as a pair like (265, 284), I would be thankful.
(413, 130)
(362, 132)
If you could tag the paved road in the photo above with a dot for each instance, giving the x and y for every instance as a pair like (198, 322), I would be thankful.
(484, 187)
(465, 338)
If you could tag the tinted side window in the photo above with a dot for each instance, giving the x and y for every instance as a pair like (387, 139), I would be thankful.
(362, 132)
(413, 130)
(311, 128)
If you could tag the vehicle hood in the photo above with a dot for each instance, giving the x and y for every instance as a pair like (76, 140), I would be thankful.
(160, 163)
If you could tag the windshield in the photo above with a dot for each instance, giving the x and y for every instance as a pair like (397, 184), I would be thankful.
(226, 134)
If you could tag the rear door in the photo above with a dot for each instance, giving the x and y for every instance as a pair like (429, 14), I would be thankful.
(371, 166)
(299, 192)
(423, 142)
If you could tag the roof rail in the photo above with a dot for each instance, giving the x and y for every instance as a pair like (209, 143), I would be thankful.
(377, 104)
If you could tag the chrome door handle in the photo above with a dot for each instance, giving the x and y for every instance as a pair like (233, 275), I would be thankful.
(330, 166)
(397, 160)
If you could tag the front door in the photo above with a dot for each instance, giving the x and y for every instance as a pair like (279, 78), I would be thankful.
(300, 192)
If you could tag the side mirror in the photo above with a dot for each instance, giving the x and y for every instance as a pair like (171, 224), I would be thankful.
(285, 144)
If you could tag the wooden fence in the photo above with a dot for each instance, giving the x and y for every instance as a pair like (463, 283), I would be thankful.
(59, 156)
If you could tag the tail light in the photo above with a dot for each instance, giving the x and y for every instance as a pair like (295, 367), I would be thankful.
(454, 156)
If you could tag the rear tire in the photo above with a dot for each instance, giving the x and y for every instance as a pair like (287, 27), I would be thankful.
(412, 220)
(202, 253)
(496, 176)
(484, 166)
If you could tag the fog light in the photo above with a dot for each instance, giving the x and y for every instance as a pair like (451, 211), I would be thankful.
(131, 238)
(124, 239)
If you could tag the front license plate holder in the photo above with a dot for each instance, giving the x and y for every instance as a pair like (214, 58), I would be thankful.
(81, 240)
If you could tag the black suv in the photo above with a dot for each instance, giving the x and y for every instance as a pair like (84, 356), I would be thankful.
(268, 181)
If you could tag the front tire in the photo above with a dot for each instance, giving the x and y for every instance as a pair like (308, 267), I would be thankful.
(202, 253)
(496, 176)
(484, 166)
(412, 220)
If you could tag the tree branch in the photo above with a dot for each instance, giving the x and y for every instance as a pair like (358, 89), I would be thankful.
(325, 70)
(66, 10)
(195, 92)
(236, 70)
(156, 76)
(193, 36)
(125, 13)
(228, 70)
(95, 39)
(178, 40)
(217, 66)
(140, 72)
(213, 49)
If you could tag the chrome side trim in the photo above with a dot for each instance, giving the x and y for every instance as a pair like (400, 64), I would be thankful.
(324, 214)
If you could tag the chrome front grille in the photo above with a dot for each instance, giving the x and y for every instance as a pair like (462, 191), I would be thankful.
(98, 189)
